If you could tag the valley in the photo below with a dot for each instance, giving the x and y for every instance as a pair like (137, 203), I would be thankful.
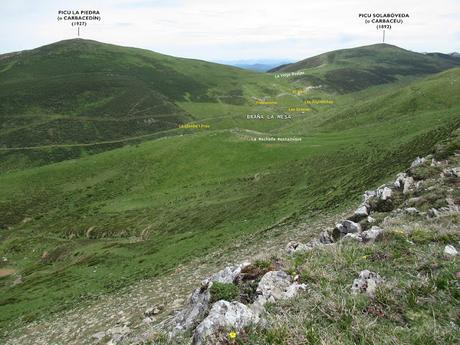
(120, 165)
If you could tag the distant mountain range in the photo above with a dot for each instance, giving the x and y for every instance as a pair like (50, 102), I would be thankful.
(259, 65)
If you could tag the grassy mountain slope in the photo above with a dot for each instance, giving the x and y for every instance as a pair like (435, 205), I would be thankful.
(79, 97)
(83, 92)
(418, 300)
(81, 228)
(355, 69)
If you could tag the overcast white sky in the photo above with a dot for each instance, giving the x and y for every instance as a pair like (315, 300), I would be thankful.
(234, 29)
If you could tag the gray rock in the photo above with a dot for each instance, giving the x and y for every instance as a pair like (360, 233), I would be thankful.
(326, 237)
(433, 213)
(350, 227)
(362, 211)
(339, 228)
(223, 315)
(417, 162)
(198, 304)
(369, 194)
(408, 184)
(196, 309)
(228, 274)
(273, 285)
(400, 178)
(346, 227)
(384, 193)
(367, 283)
(451, 172)
(450, 251)
(295, 247)
(372, 234)
(352, 237)
(293, 290)
(411, 211)
(276, 285)
(371, 220)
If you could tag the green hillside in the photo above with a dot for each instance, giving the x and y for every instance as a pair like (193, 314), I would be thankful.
(80, 92)
(141, 210)
(349, 70)
(78, 97)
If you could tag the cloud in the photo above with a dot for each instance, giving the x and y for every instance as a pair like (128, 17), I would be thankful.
(147, 3)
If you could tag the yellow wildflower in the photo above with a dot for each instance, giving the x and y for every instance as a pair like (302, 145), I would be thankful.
(232, 335)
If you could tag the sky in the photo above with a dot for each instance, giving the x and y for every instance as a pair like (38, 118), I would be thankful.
(226, 30)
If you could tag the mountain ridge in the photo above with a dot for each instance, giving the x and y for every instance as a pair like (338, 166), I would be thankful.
(78, 91)
(354, 69)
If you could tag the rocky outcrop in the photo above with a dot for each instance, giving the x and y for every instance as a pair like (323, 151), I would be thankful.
(199, 302)
(404, 182)
(273, 286)
(209, 319)
(368, 236)
(209, 322)
(223, 316)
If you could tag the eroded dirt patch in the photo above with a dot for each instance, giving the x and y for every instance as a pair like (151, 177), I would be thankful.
(4, 272)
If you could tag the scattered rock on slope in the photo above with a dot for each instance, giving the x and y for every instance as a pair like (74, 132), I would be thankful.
(211, 323)
(450, 251)
(367, 283)
(276, 285)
